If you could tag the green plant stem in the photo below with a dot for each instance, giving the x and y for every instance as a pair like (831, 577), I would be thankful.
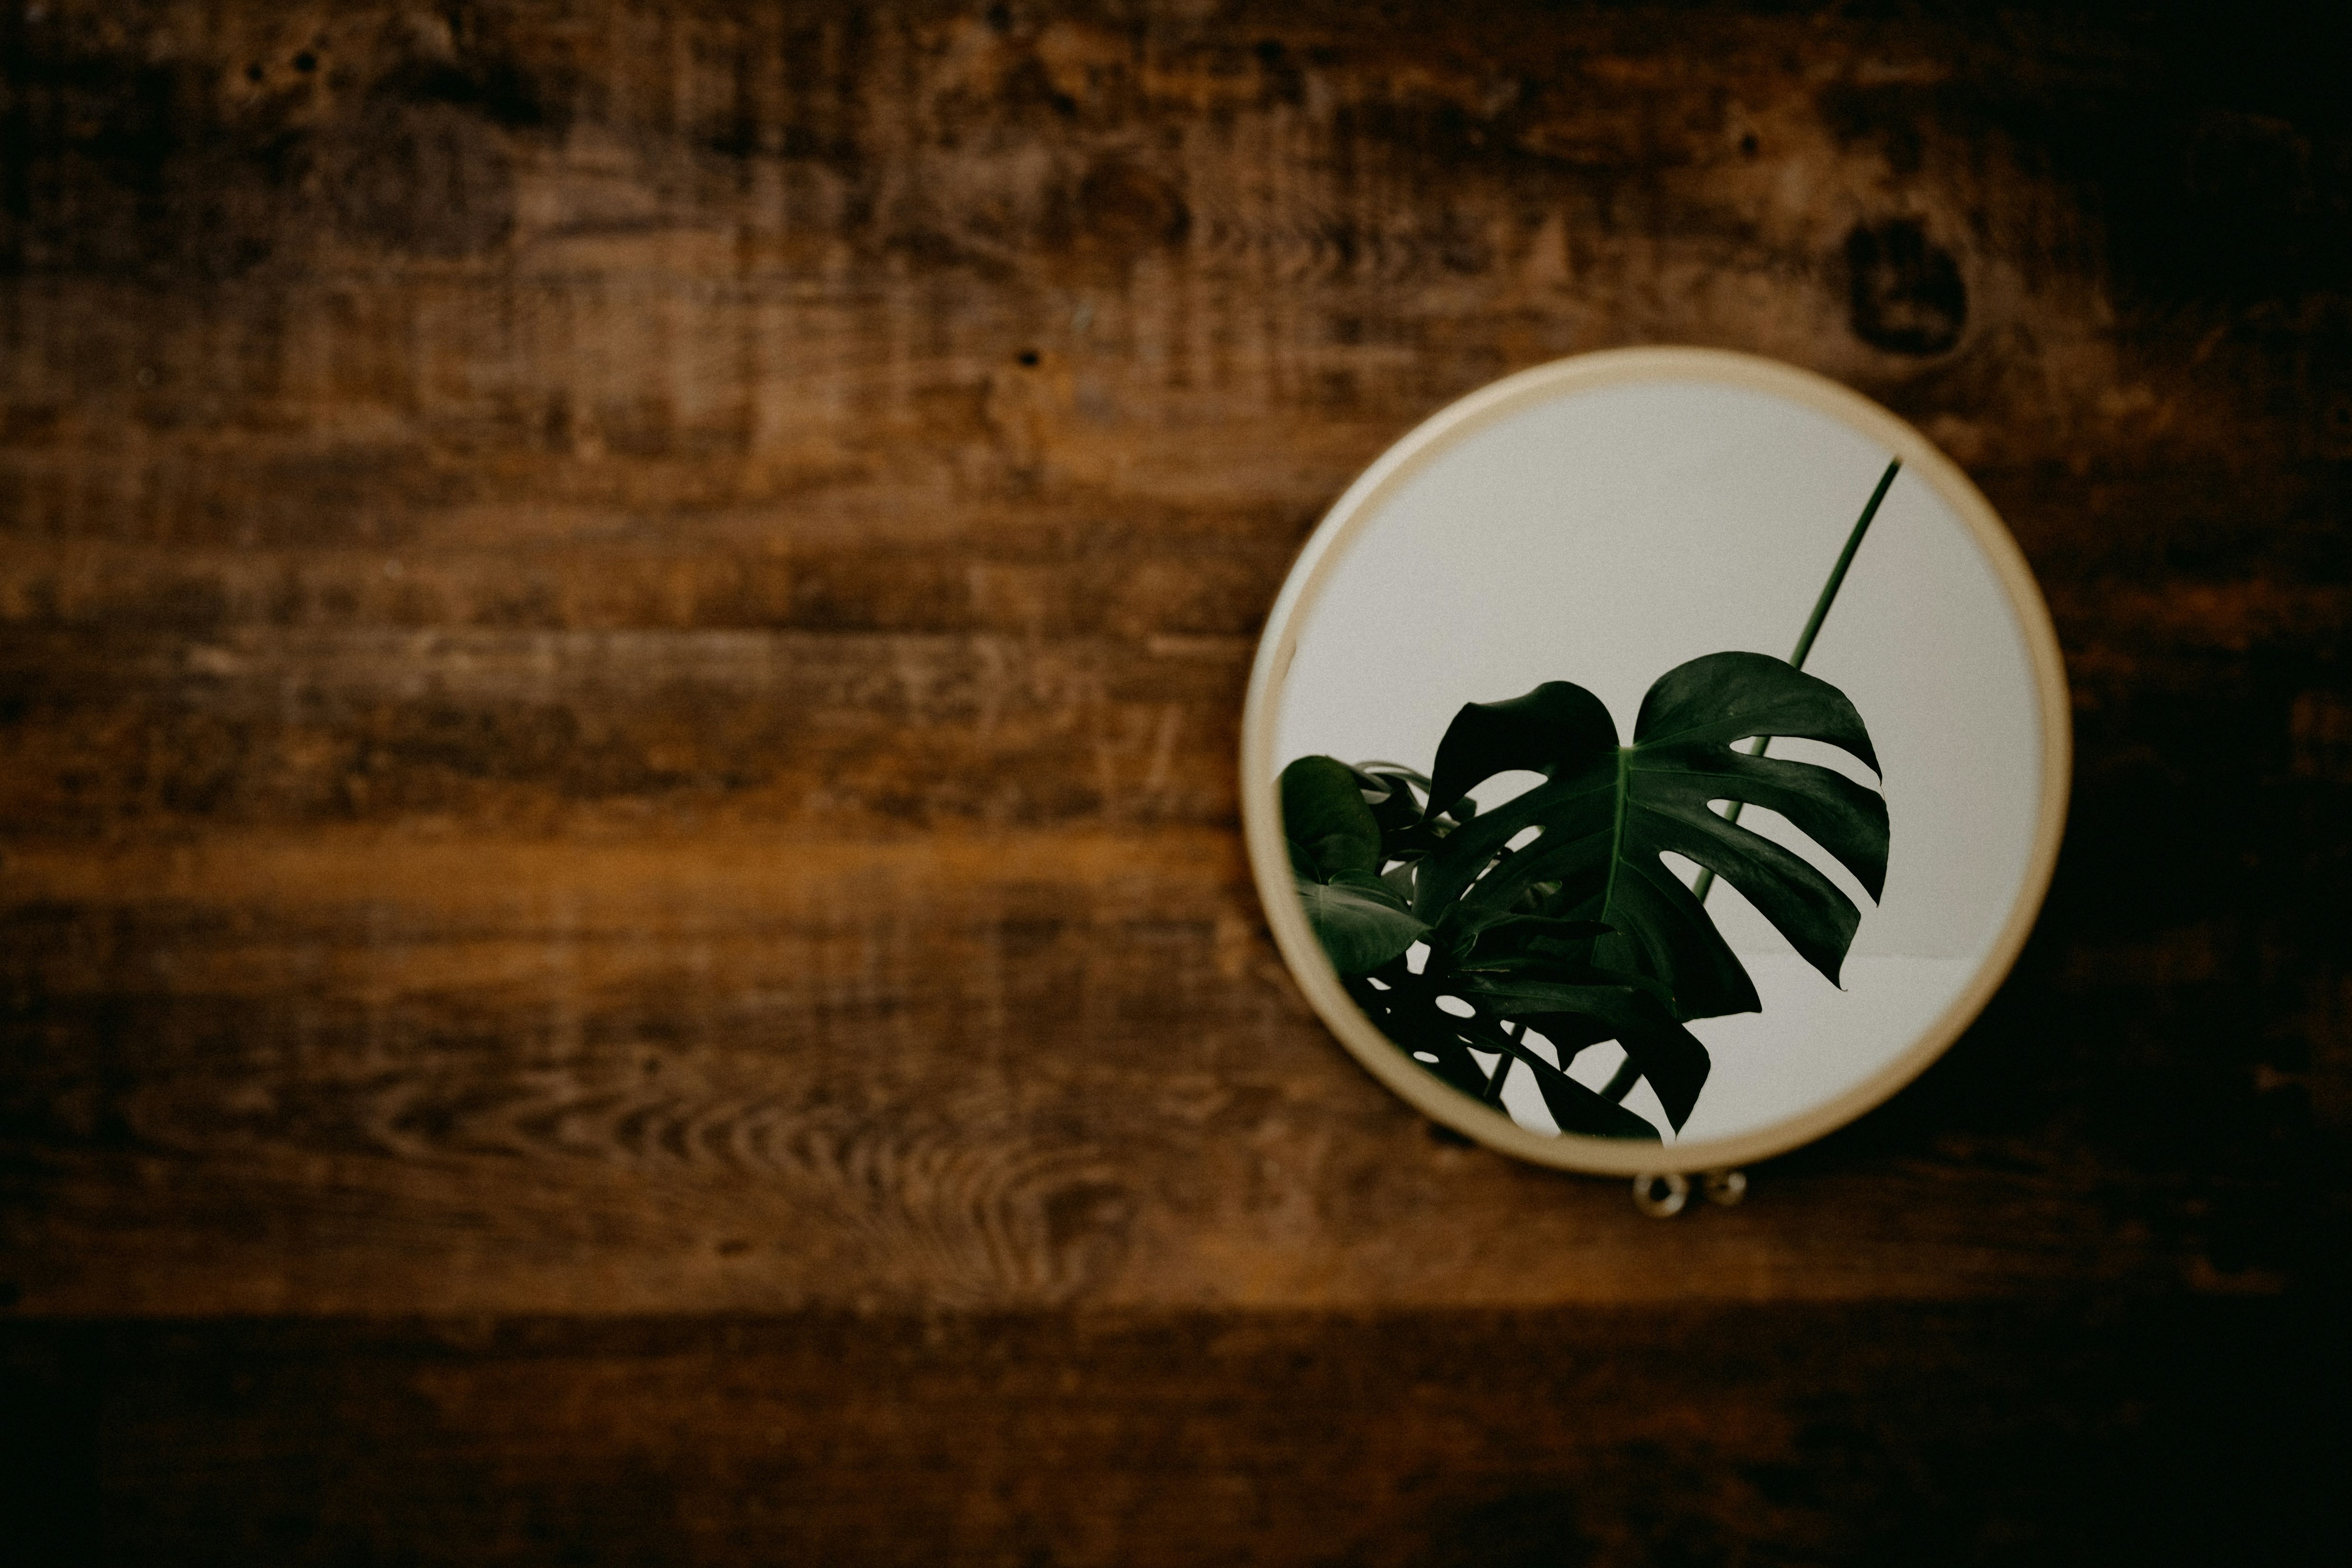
(1502, 1073)
(1621, 1084)
(1706, 883)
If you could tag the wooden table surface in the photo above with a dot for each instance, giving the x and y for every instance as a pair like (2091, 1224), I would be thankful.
(621, 629)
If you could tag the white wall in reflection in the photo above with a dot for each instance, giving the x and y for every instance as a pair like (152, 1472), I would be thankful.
(1607, 537)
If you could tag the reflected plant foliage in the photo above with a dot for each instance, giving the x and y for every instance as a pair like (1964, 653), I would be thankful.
(1526, 934)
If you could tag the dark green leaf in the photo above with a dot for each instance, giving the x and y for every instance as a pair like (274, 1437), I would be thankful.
(1405, 1007)
(1424, 1033)
(1728, 697)
(1463, 925)
(1556, 725)
(1361, 921)
(1607, 813)
(1637, 1012)
(1326, 819)
(1573, 1107)
(1394, 806)
(1579, 1110)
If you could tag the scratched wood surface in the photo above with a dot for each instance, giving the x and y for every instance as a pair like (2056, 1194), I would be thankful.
(621, 636)
(1891, 1433)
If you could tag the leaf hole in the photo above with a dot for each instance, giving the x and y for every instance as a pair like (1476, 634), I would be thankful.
(1458, 1007)
(1416, 958)
(1376, 985)
(1506, 787)
(1424, 1055)
(1595, 1064)
(1523, 837)
(1768, 824)
(1822, 754)
(1540, 1045)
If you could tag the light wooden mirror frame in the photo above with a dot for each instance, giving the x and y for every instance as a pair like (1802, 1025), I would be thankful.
(1261, 816)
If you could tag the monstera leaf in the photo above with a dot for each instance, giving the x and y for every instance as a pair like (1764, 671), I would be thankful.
(1361, 921)
(1486, 943)
(1488, 976)
(1607, 813)
(1406, 1008)
(1335, 857)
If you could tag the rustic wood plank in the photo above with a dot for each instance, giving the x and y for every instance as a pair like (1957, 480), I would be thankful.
(845, 735)
(1832, 1435)
(622, 934)
(547, 541)
(452, 1074)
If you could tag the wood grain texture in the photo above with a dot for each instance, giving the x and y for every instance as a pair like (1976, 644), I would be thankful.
(621, 633)
(1835, 1436)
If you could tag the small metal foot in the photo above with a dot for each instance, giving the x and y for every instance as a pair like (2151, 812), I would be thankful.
(1661, 1197)
(1664, 1196)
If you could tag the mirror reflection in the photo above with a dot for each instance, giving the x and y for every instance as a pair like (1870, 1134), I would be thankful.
(1660, 759)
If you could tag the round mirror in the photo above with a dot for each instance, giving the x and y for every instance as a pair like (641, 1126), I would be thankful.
(1654, 761)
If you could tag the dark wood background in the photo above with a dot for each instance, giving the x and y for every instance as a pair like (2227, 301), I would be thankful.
(621, 636)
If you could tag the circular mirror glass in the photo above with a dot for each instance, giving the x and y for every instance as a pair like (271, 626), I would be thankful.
(1654, 761)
